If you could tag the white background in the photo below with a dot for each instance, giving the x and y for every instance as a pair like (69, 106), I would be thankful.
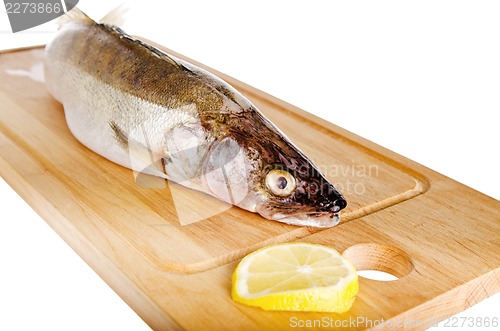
(420, 78)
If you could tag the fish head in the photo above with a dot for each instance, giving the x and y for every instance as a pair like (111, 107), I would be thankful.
(279, 187)
(257, 168)
(299, 195)
(285, 185)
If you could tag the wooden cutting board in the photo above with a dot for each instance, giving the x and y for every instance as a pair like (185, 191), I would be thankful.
(169, 251)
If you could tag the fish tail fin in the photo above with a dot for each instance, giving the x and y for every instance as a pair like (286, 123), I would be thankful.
(117, 16)
(74, 15)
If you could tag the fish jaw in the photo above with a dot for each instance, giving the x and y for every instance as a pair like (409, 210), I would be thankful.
(323, 221)
(301, 216)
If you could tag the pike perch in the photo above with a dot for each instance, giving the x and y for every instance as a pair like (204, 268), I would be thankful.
(133, 103)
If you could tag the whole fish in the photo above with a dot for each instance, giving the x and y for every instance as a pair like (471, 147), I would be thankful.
(151, 112)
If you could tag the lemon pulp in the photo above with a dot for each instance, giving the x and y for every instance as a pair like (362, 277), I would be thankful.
(297, 277)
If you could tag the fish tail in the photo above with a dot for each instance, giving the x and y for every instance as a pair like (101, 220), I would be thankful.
(116, 17)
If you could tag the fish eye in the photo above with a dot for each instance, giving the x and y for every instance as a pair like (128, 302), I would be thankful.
(280, 182)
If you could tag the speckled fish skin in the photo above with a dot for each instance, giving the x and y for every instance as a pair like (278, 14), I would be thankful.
(134, 104)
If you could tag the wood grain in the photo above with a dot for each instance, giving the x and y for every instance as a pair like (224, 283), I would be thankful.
(401, 218)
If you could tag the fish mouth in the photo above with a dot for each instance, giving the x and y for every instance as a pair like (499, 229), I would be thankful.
(314, 219)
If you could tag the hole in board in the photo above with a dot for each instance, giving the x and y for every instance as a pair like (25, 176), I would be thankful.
(379, 262)
(377, 275)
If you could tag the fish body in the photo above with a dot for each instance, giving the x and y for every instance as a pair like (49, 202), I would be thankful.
(151, 112)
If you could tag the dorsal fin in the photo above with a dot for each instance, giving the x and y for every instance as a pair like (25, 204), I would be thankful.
(112, 22)
(117, 16)
(74, 15)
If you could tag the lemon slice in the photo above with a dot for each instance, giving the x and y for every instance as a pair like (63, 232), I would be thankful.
(297, 277)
